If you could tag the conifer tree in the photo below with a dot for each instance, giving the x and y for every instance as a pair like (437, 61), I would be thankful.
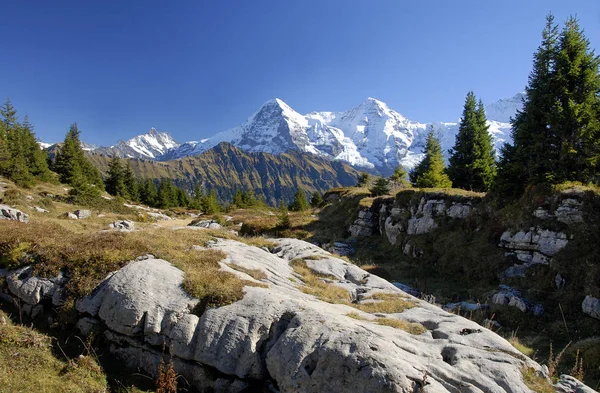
(74, 169)
(381, 187)
(37, 159)
(556, 135)
(399, 174)
(115, 183)
(363, 179)
(472, 159)
(316, 200)
(167, 194)
(148, 193)
(299, 203)
(130, 183)
(284, 217)
(431, 170)
(534, 151)
(212, 205)
(577, 115)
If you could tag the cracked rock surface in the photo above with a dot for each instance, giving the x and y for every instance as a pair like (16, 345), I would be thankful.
(281, 337)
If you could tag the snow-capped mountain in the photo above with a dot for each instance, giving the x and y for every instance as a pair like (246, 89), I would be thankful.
(502, 110)
(153, 144)
(370, 135)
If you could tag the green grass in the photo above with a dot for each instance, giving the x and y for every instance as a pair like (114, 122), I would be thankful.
(27, 364)
(536, 382)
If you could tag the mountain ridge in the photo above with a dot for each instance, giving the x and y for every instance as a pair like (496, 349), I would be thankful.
(371, 135)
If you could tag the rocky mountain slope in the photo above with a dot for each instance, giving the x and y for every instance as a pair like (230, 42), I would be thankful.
(371, 135)
(226, 168)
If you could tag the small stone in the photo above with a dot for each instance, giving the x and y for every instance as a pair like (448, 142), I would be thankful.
(82, 214)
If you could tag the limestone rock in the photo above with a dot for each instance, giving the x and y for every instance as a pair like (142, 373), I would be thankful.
(40, 209)
(393, 229)
(568, 384)
(419, 226)
(341, 249)
(70, 216)
(363, 225)
(591, 306)
(569, 211)
(139, 297)
(123, 225)
(542, 214)
(82, 214)
(9, 213)
(208, 224)
(299, 342)
(459, 210)
(545, 241)
(157, 216)
(30, 289)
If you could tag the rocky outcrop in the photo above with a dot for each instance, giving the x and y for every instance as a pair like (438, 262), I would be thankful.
(508, 296)
(123, 225)
(281, 338)
(10, 213)
(536, 246)
(591, 306)
(363, 225)
(568, 212)
(208, 224)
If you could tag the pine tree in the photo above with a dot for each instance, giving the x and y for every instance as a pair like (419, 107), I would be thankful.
(577, 115)
(381, 187)
(148, 193)
(167, 194)
(299, 203)
(212, 203)
(472, 159)
(556, 137)
(363, 179)
(399, 174)
(431, 170)
(316, 200)
(535, 149)
(130, 183)
(74, 169)
(284, 217)
(37, 159)
(115, 182)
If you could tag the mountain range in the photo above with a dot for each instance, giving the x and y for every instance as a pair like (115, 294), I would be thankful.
(370, 136)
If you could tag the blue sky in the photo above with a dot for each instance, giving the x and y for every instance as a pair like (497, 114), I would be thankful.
(195, 68)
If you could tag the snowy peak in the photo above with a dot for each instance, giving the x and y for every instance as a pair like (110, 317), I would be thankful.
(502, 110)
(152, 144)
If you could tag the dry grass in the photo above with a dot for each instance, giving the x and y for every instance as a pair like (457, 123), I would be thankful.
(86, 256)
(28, 365)
(386, 303)
(524, 349)
(536, 382)
(410, 327)
(256, 274)
(314, 285)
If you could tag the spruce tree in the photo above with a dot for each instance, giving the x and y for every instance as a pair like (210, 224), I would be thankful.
(363, 179)
(535, 148)
(37, 159)
(430, 173)
(576, 118)
(212, 205)
(472, 159)
(115, 182)
(299, 203)
(381, 187)
(284, 218)
(399, 174)
(74, 169)
(167, 194)
(149, 193)
(316, 200)
(130, 183)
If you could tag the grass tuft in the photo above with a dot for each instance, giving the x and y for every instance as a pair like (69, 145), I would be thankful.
(536, 382)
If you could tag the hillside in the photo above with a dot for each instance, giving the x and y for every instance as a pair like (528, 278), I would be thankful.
(226, 168)
(207, 310)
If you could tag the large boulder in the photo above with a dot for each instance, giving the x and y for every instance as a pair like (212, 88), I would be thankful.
(123, 225)
(10, 213)
(82, 214)
(280, 335)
